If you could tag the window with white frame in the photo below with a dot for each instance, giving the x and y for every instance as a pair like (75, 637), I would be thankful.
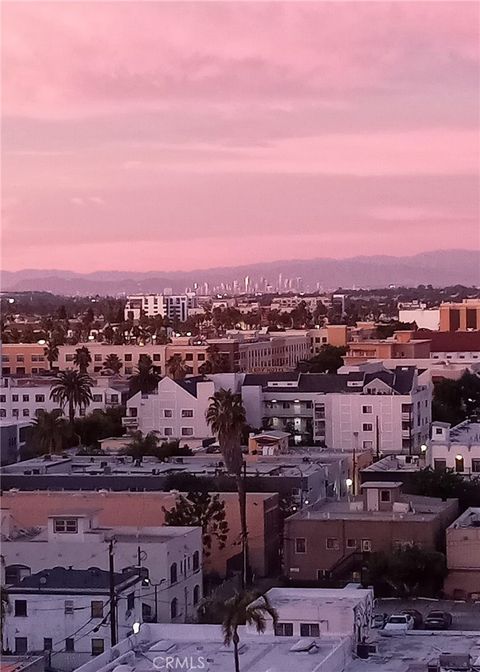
(65, 525)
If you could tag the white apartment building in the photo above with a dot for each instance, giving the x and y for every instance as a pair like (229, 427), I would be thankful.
(424, 318)
(275, 353)
(383, 411)
(173, 306)
(176, 409)
(24, 398)
(171, 557)
(456, 448)
(60, 609)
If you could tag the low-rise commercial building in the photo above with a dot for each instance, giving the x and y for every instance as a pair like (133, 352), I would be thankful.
(402, 345)
(453, 347)
(330, 539)
(456, 448)
(463, 316)
(463, 556)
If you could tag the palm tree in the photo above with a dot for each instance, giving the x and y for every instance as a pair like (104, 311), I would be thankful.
(4, 604)
(217, 362)
(72, 389)
(147, 377)
(142, 445)
(226, 417)
(49, 430)
(247, 607)
(51, 352)
(176, 368)
(82, 358)
(113, 363)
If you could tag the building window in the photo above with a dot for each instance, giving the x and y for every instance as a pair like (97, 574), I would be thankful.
(69, 606)
(201, 357)
(20, 607)
(26, 412)
(20, 358)
(366, 545)
(309, 630)
(167, 413)
(131, 601)
(459, 463)
(47, 643)
(128, 370)
(284, 630)
(367, 427)
(96, 609)
(168, 431)
(69, 645)
(368, 445)
(39, 398)
(97, 358)
(98, 646)
(196, 561)
(367, 409)
(156, 357)
(65, 525)
(331, 544)
(173, 608)
(21, 645)
(3, 399)
(187, 431)
(3, 413)
(300, 545)
(385, 496)
(196, 594)
(129, 358)
(14, 397)
(114, 399)
(351, 543)
(189, 357)
(173, 573)
(476, 465)
(26, 398)
(97, 397)
(187, 413)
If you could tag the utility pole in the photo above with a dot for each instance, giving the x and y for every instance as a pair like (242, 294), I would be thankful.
(244, 537)
(113, 601)
(377, 437)
(354, 464)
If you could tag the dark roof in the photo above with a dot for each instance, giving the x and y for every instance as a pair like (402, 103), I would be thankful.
(323, 382)
(451, 341)
(190, 384)
(262, 379)
(61, 577)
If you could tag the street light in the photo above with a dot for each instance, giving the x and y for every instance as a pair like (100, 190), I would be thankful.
(423, 448)
(41, 341)
(147, 582)
(348, 482)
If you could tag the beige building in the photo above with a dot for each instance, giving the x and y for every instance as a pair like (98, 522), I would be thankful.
(463, 316)
(23, 359)
(401, 346)
(463, 556)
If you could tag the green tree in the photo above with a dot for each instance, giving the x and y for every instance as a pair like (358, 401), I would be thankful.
(49, 431)
(245, 608)
(100, 425)
(108, 334)
(146, 379)
(446, 484)
(176, 367)
(113, 363)
(226, 417)
(51, 353)
(216, 362)
(72, 389)
(201, 509)
(328, 360)
(82, 359)
(142, 445)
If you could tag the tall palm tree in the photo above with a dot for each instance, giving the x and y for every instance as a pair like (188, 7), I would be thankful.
(113, 363)
(147, 377)
(4, 603)
(176, 367)
(48, 430)
(226, 417)
(73, 389)
(51, 352)
(245, 608)
(82, 358)
(217, 362)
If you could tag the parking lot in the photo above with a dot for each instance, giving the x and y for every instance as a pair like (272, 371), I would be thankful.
(466, 616)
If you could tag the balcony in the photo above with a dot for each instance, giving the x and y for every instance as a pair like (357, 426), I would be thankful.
(129, 421)
(295, 411)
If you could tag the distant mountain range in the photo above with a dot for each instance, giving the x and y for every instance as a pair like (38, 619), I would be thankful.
(440, 268)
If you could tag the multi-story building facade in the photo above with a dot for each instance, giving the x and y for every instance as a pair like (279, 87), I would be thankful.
(463, 556)
(400, 346)
(14, 439)
(461, 347)
(463, 316)
(320, 538)
(379, 410)
(173, 306)
(19, 359)
(24, 398)
(456, 448)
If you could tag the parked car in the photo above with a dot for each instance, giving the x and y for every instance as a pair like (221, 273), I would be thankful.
(417, 618)
(399, 623)
(438, 620)
(379, 620)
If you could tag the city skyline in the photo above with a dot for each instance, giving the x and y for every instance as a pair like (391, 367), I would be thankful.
(152, 135)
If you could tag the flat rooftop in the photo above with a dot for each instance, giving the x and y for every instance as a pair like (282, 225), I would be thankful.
(410, 507)
(125, 534)
(394, 463)
(305, 598)
(469, 518)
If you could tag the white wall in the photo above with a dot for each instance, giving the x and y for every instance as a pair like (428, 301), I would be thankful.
(425, 318)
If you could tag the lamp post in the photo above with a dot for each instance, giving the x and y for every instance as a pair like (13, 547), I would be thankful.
(146, 582)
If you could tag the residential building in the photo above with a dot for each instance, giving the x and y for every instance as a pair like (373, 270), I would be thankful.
(20, 359)
(330, 539)
(424, 318)
(386, 411)
(14, 439)
(394, 468)
(315, 612)
(65, 609)
(128, 355)
(275, 352)
(453, 346)
(196, 646)
(463, 316)
(463, 556)
(175, 410)
(171, 557)
(27, 663)
(25, 398)
(142, 510)
(332, 334)
(270, 442)
(456, 448)
(287, 303)
(175, 307)
(401, 345)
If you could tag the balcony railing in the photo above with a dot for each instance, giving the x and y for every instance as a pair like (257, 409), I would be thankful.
(129, 421)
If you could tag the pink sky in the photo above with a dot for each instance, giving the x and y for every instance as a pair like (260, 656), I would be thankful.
(163, 136)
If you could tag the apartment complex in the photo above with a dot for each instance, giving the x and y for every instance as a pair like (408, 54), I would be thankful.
(173, 306)
(453, 346)
(379, 410)
(331, 537)
(19, 359)
(456, 448)
(463, 556)
(463, 316)
(402, 345)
